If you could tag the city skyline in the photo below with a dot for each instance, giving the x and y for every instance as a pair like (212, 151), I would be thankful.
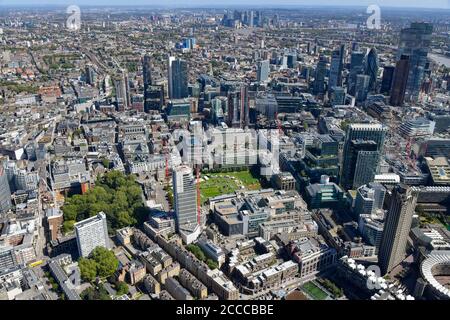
(241, 153)
(434, 4)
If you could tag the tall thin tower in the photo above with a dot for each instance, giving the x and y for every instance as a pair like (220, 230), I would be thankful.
(392, 251)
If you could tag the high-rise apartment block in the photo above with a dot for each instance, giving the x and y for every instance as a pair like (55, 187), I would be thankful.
(92, 233)
(403, 201)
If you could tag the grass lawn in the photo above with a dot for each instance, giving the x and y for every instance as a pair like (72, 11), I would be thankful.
(216, 186)
(314, 291)
(223, 183)
(244, 177)
(433, 220)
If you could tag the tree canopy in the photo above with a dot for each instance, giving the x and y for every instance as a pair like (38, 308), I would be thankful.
(199, 254)
(117, 195)
(212, 264)
(107, 262)
(196, 251)
(101, 263)
(98, 293)
(122, 288)
(88, 269)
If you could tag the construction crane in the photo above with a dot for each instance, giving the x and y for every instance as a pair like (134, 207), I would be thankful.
(167, 169)
(278, 122)
(393, 145)
(198, 197)
(411, 159)
(49, 190)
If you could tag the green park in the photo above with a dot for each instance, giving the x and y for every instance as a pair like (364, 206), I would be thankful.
(215, 184)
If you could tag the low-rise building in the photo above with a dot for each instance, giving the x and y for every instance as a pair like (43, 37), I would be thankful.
(324, 195)
(169, 272)
(288, 227)
(284, 181)
(196, 287)
(177, 290)
(164, 295)
(124, 235)
(63, 281)
(136, 272)
(152, 265)
(212, 250)
(312, 256)
(439, 169)
(151, 284)
(161, 225)
(222, 286)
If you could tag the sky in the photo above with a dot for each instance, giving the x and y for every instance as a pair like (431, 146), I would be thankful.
(215, 3)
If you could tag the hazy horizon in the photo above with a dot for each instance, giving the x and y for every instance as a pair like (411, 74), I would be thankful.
(432, 4)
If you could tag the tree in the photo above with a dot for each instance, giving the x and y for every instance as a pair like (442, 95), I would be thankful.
(170, 198)
(212, 264)
(88, 269)
(305, 126)
(68, 226)
(107, 263)
(99, 293)
(141, 214)
(124, 219)
(345, 124)
(105, 163)
(329, 285)
(117, 195)
(122, 288)
(196, 251)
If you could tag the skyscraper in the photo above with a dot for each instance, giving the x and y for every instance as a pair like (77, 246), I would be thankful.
(251, 19)
(219, 109)
(337, 65)
(355, 141)
(399, 81)
(233, 109)
(154, 99)
(189, 43)
(262, 71)
(259, 19)
(337, 96)
(90, 75)
(365, 163)
(356, 67)
(291, 60)
(5, 192)
(178, 78)
(319, 80)
(185, 196)
(245, 107)
(147, 75)
(392, 251)
(386, 81)
(91, 233)
(362, 87)
(369, 199)
(169, 76)
(361, 163)
(415, 42)
(147, 70)
(121, 87)
(372, 69)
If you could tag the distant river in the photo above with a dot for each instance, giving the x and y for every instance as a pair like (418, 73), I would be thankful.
(440, 59)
